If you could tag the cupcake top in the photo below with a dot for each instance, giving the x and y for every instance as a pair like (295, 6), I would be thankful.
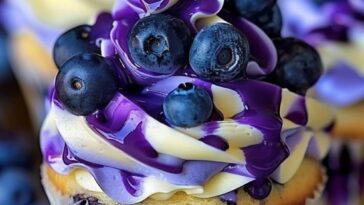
(336, 28)
(167, 96)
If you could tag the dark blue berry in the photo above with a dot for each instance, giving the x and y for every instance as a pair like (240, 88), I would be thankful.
(16, 187)
(86, 83)
(15, 151)
(259, 188)
(160, 43)
(187, 106)
(73, 42)
(219, 52)
(270, 22)
(299, 65)
(251, 8)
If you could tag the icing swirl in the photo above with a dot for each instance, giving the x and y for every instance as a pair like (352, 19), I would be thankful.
(129, 151)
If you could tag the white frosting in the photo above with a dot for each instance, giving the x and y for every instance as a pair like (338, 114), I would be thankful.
(227, 101)
(88, 144)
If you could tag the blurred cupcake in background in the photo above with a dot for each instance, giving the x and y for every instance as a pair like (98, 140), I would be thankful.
(19, 164)
(12, 105)
(336, 29)
(33, 26)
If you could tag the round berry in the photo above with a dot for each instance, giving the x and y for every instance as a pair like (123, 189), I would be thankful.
(299, 65)
(160, 43)
(270, 22)
(85, 83)
(259, 188)
(73, 42)
(187, 106)
(219, 52)
(16, 187)
(252, 8)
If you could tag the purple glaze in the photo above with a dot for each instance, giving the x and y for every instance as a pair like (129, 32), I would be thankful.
(216, 142)
(298, 112)
(341, 86)
(102, 26)
(272, 151)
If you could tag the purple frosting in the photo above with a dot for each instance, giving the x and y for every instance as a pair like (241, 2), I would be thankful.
(143, 94)
(342, 85)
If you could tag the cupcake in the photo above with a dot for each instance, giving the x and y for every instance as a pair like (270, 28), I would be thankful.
(184, 102)
(336, 29)
(33, 27)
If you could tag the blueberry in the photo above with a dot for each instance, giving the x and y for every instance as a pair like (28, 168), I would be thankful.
(85, 83)
(15, 151)
(259, 188)
(299, 65)
(219, 52)
(252, 8)
(160, 43)
(270, 22)
(73, 42)
(16, 187)
(187, 106)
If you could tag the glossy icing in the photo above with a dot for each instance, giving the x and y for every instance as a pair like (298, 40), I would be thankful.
(129, 151)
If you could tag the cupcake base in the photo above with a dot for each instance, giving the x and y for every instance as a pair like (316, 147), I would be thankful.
(304, 188)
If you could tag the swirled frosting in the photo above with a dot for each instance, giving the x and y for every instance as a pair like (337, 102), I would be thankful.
(129, 151)
(336, 28)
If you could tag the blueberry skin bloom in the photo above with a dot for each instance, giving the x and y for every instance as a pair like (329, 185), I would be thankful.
(73, 42)
(16, 188)
(187, 106)
(160, 43)
(252, 8)
(86, 83)
(219, 52)
(299, 65)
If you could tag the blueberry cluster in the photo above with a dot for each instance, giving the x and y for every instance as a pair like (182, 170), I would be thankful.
(17, 184)
(162, 44)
